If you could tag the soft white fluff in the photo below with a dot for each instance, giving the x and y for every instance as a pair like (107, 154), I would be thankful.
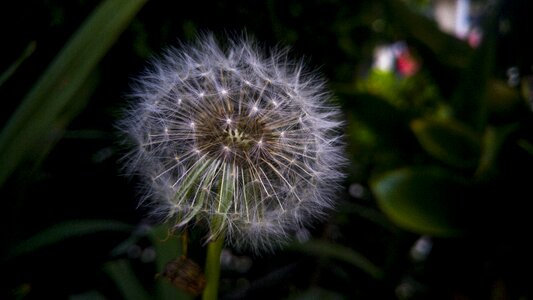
(244, 142)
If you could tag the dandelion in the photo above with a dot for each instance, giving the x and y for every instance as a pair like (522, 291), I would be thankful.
(242, 142)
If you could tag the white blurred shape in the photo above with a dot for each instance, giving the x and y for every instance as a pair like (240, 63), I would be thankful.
(421, 248)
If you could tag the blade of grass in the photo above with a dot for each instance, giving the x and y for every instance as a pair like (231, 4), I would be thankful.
(342, 253)
(469, 100)
(57, 127)
(121, 272)
(57, 87)
(65, 230)
(15, 65)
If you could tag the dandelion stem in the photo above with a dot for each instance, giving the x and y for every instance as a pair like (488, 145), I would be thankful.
(184, 242)
(212, 268)
(214, 248)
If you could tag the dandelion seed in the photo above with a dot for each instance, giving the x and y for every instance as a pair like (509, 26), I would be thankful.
(263, 176)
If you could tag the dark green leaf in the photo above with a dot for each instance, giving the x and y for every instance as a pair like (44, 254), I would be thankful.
(526, 145)
(336, 251)
(380, 116)
(492, 143)
(126, 281)
(57, 88)
(469, 101)
(62, 231)
(15, 65)
(448, 141)
(168, 247)
(424, 200)
(502, 100)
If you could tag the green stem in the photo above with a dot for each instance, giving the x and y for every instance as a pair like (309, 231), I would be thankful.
(214, 248)
(212, 269)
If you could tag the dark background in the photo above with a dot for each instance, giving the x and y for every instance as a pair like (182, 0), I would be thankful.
(472, 169)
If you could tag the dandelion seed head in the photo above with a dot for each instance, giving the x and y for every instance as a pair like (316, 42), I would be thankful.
(250, 144)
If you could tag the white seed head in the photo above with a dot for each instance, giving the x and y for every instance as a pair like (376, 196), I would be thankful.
(244, 143)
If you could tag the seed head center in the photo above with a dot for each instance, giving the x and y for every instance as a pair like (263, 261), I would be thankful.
(236, 137)
(232, 138)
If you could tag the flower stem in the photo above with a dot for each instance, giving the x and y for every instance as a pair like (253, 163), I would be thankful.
(212, 268)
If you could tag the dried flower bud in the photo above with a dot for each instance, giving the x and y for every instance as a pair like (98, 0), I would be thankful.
(186, 275)
(242, 141)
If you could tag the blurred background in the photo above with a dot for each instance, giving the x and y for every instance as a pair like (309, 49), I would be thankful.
(437, 96)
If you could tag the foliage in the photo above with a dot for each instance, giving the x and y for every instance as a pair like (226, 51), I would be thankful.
(435, 206)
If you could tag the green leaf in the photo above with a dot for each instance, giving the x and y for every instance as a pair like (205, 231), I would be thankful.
(336, 251)
(526, 145)
(425, 200)
(387, 121)
(492, 143)
(57, 88)
(469, 101)
(503, 101)
(168, 247)
(83, 95)
(126, 281)
(448, 141)
(17, 63)
(62, 231)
